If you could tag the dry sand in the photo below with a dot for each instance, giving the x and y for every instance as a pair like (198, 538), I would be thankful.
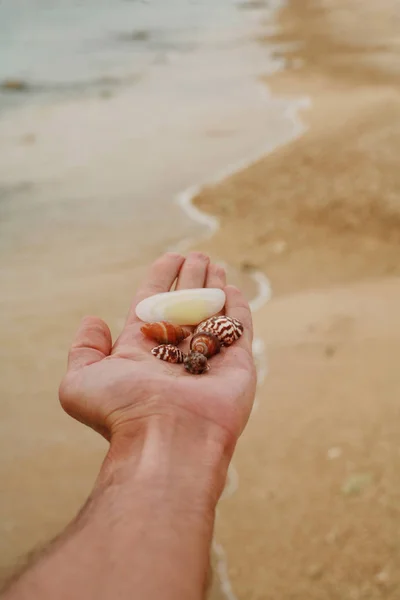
(317, 512)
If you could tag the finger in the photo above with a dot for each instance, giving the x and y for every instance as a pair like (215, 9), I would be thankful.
(193, 272)
(92, 343)
(216, 277)
(160, 278)
(237, 307)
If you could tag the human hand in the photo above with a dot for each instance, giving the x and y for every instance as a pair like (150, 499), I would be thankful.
(114, 388)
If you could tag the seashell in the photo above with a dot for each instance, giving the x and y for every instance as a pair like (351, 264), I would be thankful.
(165, 333)
(196, 363)
(182, 307)
(206, 343)
(227, 329)
(169, 353)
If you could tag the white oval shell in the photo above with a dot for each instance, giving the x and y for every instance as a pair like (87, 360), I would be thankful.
(182, 307)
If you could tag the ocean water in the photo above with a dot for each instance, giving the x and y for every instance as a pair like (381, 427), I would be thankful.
(72, 44)
(69, 42)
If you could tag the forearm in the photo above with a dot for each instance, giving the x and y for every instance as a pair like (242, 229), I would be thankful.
(146, 530)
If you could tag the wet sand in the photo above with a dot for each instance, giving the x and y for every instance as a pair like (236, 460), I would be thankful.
(317, 509)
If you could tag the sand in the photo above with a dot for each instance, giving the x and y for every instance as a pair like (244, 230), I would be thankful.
(316, 513)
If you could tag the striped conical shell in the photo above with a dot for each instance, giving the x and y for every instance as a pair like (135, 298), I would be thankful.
(169, 353)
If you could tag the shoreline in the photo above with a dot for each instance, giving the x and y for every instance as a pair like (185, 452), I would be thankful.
(212, 224)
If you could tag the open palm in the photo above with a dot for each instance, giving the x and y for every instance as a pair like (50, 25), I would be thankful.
(112, 387)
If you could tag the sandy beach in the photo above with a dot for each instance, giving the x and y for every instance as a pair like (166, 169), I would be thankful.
(317, 507)
(313, 507)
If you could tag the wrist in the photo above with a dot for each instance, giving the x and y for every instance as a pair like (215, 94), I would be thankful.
(179, 453)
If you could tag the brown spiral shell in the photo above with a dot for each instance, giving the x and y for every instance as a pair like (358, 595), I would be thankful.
(206, 343)
(169, 353)
(196, 363)
(165, 333)
(227, 329)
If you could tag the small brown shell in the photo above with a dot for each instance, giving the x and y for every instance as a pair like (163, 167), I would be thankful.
(196, 363)
(206, 343)
(169, 353)
(227, 329)
(165, 333)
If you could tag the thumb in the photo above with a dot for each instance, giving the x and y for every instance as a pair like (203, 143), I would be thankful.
(92, 343)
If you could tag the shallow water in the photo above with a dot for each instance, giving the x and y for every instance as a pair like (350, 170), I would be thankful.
(99, 39)
(89, 181)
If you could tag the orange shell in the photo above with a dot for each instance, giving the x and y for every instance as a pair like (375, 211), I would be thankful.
(165, 333)
(205, 343)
